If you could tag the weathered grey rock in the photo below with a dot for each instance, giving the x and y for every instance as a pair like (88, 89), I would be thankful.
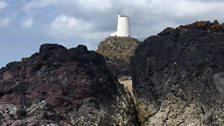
(178, 76)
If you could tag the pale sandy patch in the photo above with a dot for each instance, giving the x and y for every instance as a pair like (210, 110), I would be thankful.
(127, 83)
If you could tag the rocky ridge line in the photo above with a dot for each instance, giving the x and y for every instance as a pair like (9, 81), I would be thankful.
(178, 76)
(60, 86)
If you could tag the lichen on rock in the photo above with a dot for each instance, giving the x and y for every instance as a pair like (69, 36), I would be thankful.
(118, 52)
(178, 76)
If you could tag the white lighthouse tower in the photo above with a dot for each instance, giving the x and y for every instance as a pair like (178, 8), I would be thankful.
(123, 29)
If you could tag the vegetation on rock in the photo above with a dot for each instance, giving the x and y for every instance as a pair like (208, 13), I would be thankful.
(118, 52)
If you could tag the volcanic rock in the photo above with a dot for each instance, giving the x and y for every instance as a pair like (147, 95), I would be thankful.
(60, 86)
(178, 76)
(118, 52)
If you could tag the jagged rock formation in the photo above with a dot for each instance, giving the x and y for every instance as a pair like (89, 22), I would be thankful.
(178, 76)
(118, 52)
(59, 86)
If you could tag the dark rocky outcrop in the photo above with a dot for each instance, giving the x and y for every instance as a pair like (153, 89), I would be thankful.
(118, 52)
(178, 76)
(59, 86)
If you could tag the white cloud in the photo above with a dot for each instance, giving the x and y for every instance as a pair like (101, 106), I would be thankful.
(147, 17)
(96, 4)
(151, 16)
(4, 22)
(3, 5)
(84, 4)
(27, 23)
(91, 18)
(65, 26)
(36, 4)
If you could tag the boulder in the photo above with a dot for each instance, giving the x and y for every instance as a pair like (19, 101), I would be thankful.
(178, 76)
(118, 52)
(59, 86)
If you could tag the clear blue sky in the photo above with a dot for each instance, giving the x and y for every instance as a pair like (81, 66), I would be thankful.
(26, 24)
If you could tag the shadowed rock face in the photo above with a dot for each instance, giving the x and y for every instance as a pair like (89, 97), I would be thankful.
(60, 86)
(178, 76)
(118, 52)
